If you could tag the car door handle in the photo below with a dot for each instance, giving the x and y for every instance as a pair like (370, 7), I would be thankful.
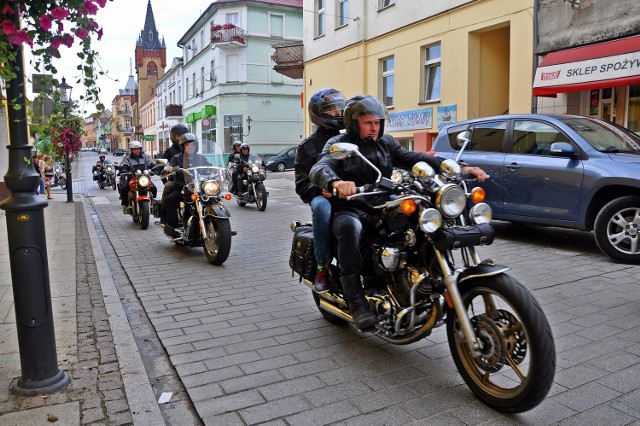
(513, 166)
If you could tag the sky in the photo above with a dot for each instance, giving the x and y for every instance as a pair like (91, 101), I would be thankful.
(122, 21)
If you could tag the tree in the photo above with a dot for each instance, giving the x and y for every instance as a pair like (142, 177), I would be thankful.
(47, 25)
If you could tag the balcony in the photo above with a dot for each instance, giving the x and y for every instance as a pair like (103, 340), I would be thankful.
(173, 111)
(124, 112)
(227, 35)
(288, 59)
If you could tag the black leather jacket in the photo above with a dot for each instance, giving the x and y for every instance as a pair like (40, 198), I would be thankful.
(174, 149)
(182, 161)
(385, 154)
(306, 156)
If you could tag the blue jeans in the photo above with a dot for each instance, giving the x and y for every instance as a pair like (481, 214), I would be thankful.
(320, 216)
(40, 187)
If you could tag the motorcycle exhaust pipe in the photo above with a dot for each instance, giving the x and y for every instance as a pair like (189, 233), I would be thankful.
(334, 310)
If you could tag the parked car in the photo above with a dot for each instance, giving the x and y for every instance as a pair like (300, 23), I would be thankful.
(558, 170)
(119, 152)
(282, 160)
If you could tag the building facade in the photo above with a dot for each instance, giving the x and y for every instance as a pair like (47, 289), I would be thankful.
(229, 88)
(431, 63)
(590, 60)
(148, 124)
(169, 103)
(89, 132)
(122, 107)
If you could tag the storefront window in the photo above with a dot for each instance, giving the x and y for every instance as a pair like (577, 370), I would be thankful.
(406, 143)
(633, 121)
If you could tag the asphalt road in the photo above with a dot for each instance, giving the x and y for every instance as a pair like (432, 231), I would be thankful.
(249, 347)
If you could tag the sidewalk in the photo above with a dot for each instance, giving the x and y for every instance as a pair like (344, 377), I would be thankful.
(94, 341)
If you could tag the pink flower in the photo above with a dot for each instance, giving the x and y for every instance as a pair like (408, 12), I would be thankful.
(60, 27)
(7, 10)
(45, 22)
(20, 37)
(59, 13)
(90, 8)
(56, 42)
(81, 33)
(101, 3)
(67, 40)
(100, 34)
(7, 27)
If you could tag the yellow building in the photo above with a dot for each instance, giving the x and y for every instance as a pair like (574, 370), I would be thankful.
(431, 63)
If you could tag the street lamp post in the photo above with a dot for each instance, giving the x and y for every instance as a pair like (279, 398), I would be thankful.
(28, 247)
(65, 100)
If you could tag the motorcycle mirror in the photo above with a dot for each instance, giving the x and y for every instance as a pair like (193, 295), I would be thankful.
(463, 138)
(161, 161)
(342, 150)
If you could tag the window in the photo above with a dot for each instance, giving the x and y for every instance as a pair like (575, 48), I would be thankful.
(634, 109)
(212, 75)
(319, 18)
(202, 39)
(232, 18)
(343, 13)
(387, 81)
(193, 92)
(385, 3)
(534, 137)
(201, 80)
(152, 68)
(484, 136)
(432, 73)
(276, 25)
(186, 83)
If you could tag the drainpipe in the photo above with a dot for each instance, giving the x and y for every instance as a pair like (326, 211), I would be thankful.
(534, 105)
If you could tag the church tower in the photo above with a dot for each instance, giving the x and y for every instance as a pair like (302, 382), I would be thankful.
(151, 58)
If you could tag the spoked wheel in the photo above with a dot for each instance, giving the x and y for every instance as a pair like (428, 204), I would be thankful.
(63, 182)
(517, 363)
(144, 214)
(217, 245)
(261, 197)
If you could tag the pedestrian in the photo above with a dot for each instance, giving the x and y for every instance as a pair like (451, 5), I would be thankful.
(36, 166)
(46, 166)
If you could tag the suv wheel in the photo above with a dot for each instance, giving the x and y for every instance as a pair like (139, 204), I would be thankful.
(617, 229)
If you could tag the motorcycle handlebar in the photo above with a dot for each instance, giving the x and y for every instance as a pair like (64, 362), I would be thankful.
(359, 189)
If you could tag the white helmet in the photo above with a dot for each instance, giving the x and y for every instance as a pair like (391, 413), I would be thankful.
(134, 145)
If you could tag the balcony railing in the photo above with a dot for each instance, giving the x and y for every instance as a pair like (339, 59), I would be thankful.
(288, 58)
(173, 110)
(227, 35)
(124, 112)
(125, 129)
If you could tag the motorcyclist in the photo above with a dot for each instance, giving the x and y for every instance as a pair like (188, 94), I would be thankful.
(174, 133)
(243, 162)
(325, 111)
(99, 168)
(187, 158)
(135, 160)
(232, 163)
(364, 118)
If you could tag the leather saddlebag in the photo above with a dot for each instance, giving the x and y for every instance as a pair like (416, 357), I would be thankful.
(302, 260)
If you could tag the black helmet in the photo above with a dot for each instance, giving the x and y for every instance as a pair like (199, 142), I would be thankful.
(187, 138)
(235, 145)
(326, 100)
(177, 131)
(359, 106)
(102, 157)
(245, 145)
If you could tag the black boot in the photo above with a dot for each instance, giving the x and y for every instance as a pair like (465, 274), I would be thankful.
(171, 231)
(363, 316)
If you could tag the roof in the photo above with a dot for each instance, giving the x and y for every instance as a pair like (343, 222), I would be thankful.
(295, 3)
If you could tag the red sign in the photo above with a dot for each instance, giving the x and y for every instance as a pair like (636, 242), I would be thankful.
(206, 122)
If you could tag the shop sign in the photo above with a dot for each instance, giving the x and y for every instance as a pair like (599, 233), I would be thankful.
(410, 120)
(447, 114)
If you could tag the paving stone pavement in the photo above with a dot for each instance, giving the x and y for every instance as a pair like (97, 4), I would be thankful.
(248, 345)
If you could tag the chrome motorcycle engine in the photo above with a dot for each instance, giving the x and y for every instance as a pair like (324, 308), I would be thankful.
(405, 279)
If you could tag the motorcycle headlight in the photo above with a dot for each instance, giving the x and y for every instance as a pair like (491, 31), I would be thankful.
(143, 181)
(211, 187)
(481, 213)
(57, 170)
(397, 177)
(451, 200)
(430, 220)
(108, 169)
(254, 169)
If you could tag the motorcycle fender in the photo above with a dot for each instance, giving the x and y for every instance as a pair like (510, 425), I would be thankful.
(481, 270)
(142, 197)
(220, 212)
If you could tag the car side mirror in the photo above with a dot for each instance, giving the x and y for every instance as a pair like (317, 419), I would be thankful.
(562, 149)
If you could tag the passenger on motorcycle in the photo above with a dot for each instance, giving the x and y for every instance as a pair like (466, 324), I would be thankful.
(99, 167)
(325, 111)
(188, 157)
(135, 160)
(243, 162)
(175, 133)
(364, 118)
(233, 161)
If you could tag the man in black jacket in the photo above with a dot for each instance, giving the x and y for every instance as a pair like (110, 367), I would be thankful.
(364, 118)
(173, 150)
(325, 111)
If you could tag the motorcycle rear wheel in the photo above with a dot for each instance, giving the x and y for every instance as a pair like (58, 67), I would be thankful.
(261, 197)
(63, 182)
(217, 245)
(515, 371)
(144, 214)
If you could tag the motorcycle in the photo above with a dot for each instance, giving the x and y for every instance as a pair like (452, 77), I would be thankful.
(428, 272)
(204, 220)
(253, 178)
(140, 195)
(105, 176)
(58, 178)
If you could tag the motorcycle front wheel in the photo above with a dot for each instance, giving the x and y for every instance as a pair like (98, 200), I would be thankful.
(217, 245)
(143, 205)
(63, 182)
(515, 370)
(261, 196)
